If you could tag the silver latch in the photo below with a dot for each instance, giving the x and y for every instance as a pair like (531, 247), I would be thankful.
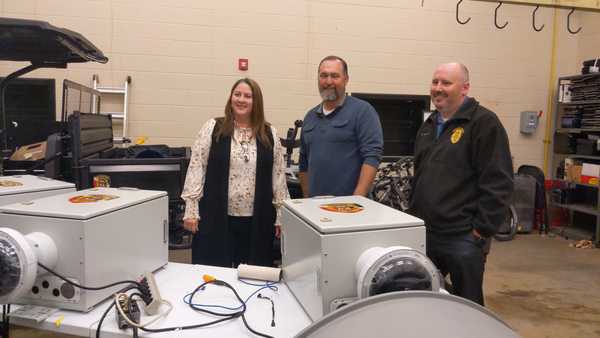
(165, 230)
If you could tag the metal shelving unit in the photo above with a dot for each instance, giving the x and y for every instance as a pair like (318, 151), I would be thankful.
(580, 103)
(117, 115)
(555, 158)
(580, 208)
(578, 184)
(577, 130)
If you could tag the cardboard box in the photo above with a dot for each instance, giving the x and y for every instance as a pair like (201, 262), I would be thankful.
(574, 173)
(31, 152)
(590, 173)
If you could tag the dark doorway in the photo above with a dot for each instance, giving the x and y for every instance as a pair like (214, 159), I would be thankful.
(401, 116)
(30, 106)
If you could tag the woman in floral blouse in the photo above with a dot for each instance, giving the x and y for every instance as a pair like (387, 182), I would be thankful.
(235, 184)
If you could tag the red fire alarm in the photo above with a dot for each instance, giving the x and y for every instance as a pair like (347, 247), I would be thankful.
(243, 64)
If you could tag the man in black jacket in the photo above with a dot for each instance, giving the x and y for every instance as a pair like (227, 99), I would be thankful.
(463, 180)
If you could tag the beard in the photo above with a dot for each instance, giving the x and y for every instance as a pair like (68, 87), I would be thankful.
(329, 94)
(436, 96)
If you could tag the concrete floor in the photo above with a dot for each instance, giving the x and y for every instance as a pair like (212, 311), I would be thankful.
(538, 284)
(542, 287)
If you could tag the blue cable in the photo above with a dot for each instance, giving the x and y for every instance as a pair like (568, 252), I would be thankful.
(268, 285)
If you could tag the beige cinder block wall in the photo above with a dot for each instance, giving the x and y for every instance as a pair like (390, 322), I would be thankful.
(182, 54)
(589, 43)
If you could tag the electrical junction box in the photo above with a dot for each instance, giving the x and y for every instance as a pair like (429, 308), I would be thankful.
(529, 122)
(322, 239)
(102, 235)
(20, 188)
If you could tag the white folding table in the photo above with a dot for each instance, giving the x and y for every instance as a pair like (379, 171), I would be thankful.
(174, 282)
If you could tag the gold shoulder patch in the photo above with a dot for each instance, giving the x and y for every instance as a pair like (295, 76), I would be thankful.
(457, 133)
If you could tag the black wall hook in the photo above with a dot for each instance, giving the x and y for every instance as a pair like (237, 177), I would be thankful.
(533, 15)
(457, 18)
(569, 23)
(496, 17)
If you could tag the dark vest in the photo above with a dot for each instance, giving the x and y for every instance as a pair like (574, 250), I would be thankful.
(211, 244)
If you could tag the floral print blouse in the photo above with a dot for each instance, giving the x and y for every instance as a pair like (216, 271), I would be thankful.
(242, 172)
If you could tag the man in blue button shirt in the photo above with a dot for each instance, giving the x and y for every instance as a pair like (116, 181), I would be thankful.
(341, 140)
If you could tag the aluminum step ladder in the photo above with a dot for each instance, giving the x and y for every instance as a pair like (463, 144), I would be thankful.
(117, 115)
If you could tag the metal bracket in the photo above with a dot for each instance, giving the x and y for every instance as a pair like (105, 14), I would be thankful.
(533, 15)
(569, 23)
(457, 18)
(496, 17)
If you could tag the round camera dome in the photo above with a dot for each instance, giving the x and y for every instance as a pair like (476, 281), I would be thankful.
(18, 265)
(382, 270)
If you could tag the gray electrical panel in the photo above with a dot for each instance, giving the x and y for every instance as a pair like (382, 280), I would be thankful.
(529, 122)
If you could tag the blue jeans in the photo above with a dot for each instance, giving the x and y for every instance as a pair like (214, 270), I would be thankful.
(462, 256)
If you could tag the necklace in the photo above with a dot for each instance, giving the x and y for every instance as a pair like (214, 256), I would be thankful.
(245, 146)
(246, 136)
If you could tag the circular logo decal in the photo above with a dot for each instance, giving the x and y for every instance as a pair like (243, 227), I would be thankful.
(7, 183)
(347, 208)
(92, 198)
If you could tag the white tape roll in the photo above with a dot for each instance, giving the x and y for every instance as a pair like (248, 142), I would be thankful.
(259, 272)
